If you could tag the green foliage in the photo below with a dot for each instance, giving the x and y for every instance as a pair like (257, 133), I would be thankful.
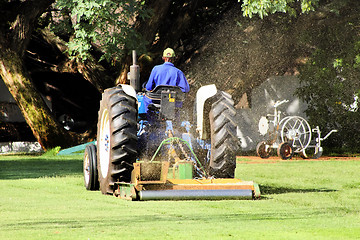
(266, 7)
(331, 86)
(106, 24)
(52, 152)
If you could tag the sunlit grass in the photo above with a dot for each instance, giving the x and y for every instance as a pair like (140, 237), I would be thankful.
(44, 198)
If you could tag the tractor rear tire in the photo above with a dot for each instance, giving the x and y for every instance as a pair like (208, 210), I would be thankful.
(116, 138)
(224, 142)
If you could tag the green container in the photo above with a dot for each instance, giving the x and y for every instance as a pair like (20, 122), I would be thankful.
(181, 170)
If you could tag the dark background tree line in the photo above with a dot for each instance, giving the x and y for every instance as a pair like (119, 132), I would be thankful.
(47, 46)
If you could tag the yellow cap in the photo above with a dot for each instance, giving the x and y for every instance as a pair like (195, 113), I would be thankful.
(169, 53)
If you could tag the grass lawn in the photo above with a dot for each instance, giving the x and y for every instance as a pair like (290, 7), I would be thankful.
(44, 198)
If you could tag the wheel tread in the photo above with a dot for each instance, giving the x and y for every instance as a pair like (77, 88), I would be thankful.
(123, 144)
(224, 142)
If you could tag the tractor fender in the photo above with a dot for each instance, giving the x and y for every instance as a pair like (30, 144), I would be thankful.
(204, 93)
(129, 90)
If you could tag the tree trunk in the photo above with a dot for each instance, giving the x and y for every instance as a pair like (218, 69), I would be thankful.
(37, 115)
(15, 32)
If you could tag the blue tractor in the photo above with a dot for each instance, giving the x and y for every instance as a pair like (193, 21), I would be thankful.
(164, 153)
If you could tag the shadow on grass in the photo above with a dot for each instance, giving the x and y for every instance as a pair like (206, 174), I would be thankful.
(268, 190)
(38, 167)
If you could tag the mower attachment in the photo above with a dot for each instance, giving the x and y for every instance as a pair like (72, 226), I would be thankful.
(159, 184)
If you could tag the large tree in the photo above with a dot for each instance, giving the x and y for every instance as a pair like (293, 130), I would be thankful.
(95, 31)
(17, 20)
(100, 26)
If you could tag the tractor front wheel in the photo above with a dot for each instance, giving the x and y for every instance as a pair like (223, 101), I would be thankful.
(90, 168)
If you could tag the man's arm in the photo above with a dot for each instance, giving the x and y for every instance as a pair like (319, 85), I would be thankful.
(183, 83)
(151, 82)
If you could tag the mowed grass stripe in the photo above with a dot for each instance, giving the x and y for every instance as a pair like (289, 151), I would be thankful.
(44, 198)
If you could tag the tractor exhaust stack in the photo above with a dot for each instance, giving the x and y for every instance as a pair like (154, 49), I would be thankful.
(134, 74)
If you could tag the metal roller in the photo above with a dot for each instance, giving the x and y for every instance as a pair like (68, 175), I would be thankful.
(217, 194)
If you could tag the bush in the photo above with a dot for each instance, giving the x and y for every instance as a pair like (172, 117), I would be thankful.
(330, 83)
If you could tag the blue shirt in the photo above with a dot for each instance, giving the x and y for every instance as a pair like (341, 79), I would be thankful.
(167, 74)
(164, 74)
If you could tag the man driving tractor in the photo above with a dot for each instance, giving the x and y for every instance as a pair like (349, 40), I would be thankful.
(166, 74)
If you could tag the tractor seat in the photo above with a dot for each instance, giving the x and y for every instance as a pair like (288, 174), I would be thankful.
(155, 94)
(166, 99)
